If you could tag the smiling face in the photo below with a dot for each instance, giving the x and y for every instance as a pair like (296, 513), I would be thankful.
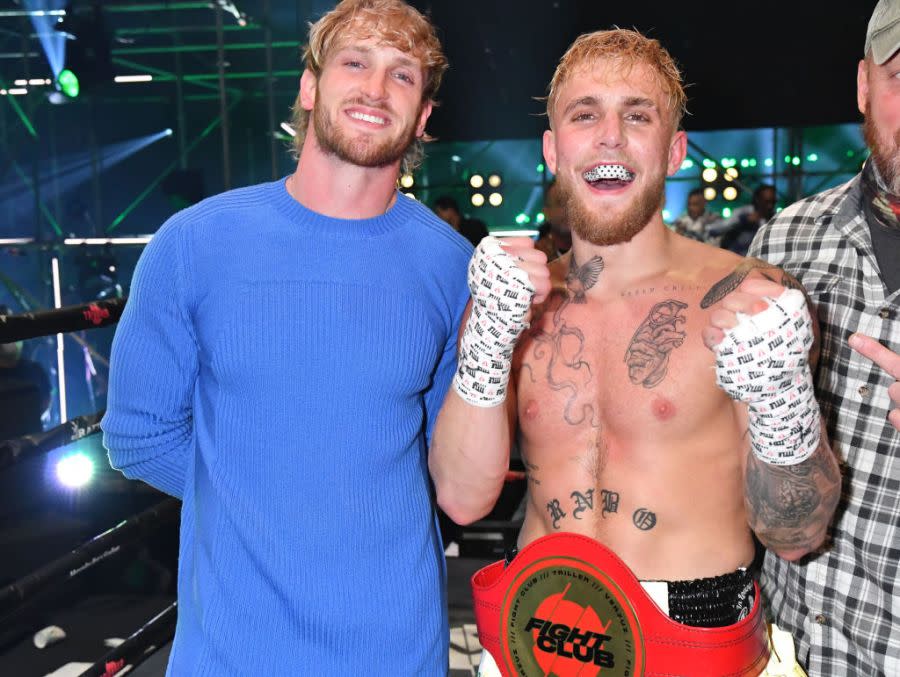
(611, 146)
(367, 106)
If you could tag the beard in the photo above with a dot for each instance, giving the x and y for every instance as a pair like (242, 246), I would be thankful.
(885, 153)
(605, 228)
(362, 150)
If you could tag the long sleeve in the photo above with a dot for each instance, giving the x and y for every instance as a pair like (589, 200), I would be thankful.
(443, 376)
(148, 426)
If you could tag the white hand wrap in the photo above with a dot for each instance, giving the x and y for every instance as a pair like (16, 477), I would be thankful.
(501, 296)
(764, 361)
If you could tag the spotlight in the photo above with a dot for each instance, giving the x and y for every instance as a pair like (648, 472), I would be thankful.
(168, 131)
(709, 175)
(730, 193)
(88, 57)
(731, 174)
(709, 193)
(494, 180)
(407, 180)
(477, 199)
(68, 83)
(74, 471)
(496, 199)
(477, 181)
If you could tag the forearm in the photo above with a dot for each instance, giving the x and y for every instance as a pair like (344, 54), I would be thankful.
(160, 459)
(469, 457)
(789, 507)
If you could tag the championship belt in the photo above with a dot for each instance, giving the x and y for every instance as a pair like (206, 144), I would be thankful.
(567, 605)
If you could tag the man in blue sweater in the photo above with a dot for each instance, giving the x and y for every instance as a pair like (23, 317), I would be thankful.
(278, 371)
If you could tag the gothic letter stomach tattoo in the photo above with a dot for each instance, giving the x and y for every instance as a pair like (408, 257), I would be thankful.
(647, 355)
(556, 512)
(583, 501)
(643, 519)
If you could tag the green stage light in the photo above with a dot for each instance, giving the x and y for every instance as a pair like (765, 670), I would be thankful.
(68, 83)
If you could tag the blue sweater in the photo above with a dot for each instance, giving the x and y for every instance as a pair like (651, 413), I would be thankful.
(281, 371)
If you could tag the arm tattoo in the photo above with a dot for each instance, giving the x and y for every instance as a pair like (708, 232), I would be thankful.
(787, 504)
(732, 281)
(644, 519)
(581, 278)
(556, 512)
(583, 501)
(647, 355)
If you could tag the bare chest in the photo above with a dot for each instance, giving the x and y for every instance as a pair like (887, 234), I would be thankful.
(634, 367)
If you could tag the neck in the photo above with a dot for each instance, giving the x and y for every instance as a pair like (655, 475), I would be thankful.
(332, 187)
(647, 253)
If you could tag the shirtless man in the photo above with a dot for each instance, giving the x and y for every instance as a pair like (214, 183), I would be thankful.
(626, 435)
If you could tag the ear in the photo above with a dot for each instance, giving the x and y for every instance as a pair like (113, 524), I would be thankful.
(862, 86)
(550, 151)
(308, 83)
(423, 118)
(677, 152)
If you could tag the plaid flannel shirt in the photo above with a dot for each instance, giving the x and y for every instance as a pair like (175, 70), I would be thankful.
(843, 603)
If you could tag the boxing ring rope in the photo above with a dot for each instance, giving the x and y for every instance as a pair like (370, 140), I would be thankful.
(156, 632)
(19, 595)
(18, 449)
(98, 549)
(61, 320)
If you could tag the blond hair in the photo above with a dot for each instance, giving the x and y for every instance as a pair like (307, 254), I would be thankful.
(626, 48)
(395, 24)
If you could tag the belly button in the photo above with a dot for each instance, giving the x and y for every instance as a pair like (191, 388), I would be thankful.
(662, 408)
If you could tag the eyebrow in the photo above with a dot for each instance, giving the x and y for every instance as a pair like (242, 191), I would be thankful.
(580, 101)
(362, 49)
(639, 102)
(629, 102)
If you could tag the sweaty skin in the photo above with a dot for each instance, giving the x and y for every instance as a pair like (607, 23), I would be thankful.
(625, 434)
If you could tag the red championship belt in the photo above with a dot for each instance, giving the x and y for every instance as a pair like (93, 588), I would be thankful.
(568, 606)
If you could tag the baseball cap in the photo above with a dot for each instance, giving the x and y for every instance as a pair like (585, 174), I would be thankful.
(883, 35)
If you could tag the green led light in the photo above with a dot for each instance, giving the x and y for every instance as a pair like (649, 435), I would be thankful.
(795, 161)
(521, 218)
(68, 83)
(726, 212)
(540, 217)
(767, 162)
(708, 163)
(850, 153)
(687, 163)
(745, 163)
(540, 168)
(753, 162)
(666, 214)
(812, 157)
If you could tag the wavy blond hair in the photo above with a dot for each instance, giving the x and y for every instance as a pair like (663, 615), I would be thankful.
(625, 48)
(395, 24)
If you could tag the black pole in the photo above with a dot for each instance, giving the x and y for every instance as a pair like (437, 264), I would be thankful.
(60, 321)
(134, 650)
(98, 549)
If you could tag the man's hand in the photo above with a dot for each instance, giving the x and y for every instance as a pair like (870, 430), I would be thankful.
(887, 360)
(748, 299)
(532, 261)
(506, 277)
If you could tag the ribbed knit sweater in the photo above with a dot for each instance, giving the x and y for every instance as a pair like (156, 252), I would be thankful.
(281, 371)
